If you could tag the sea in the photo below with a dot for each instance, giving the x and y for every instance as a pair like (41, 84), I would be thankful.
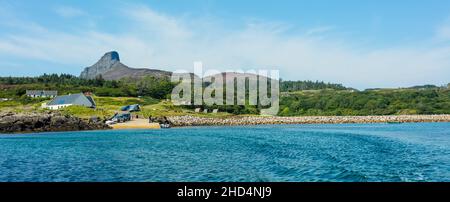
(409, 152)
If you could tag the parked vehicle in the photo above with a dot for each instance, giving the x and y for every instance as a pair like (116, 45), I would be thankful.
(123, 117)
(119, 118)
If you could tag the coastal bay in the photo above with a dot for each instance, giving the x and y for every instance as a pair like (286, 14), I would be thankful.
(410, 152)
(48, 122)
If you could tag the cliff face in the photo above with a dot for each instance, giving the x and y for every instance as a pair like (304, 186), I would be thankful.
(103, 65)
(110, 67)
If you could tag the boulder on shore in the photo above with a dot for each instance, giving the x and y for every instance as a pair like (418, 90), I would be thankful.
(45, 122)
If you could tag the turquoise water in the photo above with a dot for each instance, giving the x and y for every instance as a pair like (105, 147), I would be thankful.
(347, 152)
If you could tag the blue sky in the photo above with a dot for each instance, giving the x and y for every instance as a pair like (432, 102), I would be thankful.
(358, 43)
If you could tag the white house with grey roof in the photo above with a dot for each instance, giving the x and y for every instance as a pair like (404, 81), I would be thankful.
(41, 93)
(68, 100)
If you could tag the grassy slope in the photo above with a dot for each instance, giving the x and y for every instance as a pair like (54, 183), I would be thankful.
(107, 106)
(15, 106)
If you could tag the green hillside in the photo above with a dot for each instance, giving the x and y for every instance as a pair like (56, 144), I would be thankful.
(298, 98)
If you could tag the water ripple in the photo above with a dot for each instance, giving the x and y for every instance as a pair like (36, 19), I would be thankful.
(342, 152)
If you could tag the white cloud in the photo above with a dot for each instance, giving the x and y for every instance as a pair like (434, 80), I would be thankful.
(156, 23)
(157, 40)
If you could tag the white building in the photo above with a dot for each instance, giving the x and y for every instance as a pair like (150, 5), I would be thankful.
(42, 93)
(69, 100)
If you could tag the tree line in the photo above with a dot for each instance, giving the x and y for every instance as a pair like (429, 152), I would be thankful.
(291, 86)
(64, 83)
(368, 102)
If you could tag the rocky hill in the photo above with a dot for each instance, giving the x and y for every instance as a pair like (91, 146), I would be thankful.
(110, 68)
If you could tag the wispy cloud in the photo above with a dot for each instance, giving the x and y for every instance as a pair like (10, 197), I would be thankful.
(319, 30)
(155, 22)
(158, 40)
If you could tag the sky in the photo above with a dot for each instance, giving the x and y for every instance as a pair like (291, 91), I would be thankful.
(361, 44)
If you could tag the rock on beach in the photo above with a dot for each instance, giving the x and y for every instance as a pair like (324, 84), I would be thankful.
(45, 122)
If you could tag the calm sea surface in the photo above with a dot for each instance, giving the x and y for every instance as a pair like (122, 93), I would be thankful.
(347, 152)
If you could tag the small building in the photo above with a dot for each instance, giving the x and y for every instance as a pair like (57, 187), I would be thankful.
(42, 93)
(131, 108)
(68, 100)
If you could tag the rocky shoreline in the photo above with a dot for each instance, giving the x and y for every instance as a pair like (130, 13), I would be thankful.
(264, 120)
(46, 122)
(53, 121)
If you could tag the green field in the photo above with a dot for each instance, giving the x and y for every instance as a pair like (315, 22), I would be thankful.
(106, 107)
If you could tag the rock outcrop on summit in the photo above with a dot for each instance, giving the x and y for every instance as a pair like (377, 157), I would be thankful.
(102, 66)
(110, 68)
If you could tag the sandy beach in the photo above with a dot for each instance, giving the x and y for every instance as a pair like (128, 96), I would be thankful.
(136, 124)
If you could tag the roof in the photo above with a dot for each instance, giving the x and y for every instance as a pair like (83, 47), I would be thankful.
(74, 99)
(42, 92)
(90, 99)
(134, 107)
